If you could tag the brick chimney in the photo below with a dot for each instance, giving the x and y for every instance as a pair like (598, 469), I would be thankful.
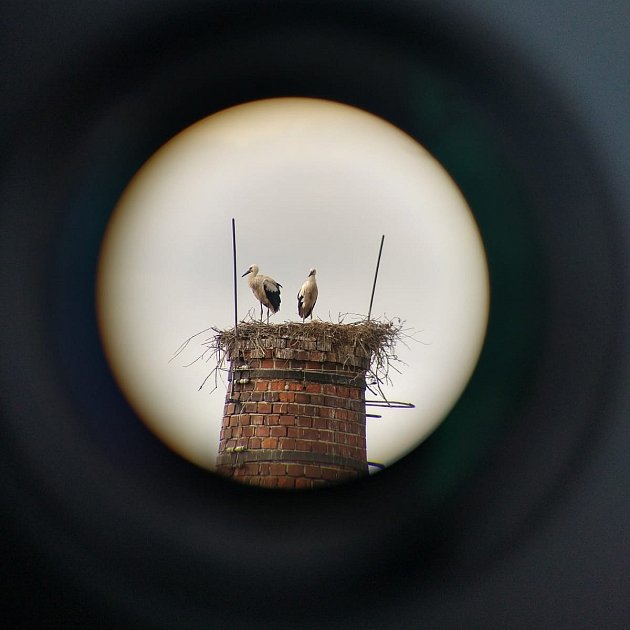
(294, 414)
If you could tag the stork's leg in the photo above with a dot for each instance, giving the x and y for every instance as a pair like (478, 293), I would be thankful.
(261, 313)
(267, 315)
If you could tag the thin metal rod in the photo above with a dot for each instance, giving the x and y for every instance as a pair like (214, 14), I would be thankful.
(235, 295)
(378, 262)
(235, 279)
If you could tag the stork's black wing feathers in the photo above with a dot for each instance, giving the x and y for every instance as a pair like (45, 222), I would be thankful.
(272, 291)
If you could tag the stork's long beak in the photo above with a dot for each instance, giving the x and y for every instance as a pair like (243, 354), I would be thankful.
(248, 271)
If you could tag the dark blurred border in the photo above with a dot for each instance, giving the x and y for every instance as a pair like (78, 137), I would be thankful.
(110, 529)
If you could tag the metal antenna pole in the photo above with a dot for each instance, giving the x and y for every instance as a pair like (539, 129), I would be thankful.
(378, 262)
(235, 280)
(235, 298)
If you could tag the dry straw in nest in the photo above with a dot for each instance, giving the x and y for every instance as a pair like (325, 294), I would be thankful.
(369, 337)
(374, 340)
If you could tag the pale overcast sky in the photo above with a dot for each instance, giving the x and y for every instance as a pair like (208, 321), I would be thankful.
(310, 184)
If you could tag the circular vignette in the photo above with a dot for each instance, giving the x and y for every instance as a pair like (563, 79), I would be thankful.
(74, 439)
(302, 176)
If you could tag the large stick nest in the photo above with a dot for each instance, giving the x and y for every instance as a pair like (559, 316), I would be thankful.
(375, 340)
(364, 338)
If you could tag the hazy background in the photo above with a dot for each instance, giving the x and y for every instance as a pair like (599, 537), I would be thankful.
(310, 184)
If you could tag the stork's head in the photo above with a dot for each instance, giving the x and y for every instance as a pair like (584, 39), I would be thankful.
(312, 272)
(253, 269)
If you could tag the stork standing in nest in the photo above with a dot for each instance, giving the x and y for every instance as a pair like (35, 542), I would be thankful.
(307, 296)
(265, 289)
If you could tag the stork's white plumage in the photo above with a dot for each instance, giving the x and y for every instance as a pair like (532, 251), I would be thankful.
(265, 289)
(307, 296)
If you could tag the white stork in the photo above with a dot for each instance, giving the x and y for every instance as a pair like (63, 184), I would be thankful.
(265, 289)
(307, 296)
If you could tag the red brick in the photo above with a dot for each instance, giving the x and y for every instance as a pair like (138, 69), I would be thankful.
(262, 431)
(270, 443)
(325, 412)
(286, 396)
(250, 468)
(293, 432)
(312, 471)
(247, 431)
(261, 386)
(320, 423)
(314, 388)
(302, 445)
(304, 421)
(354, 393)
(257, 419)
(254, 442)
(279, 407)
(273, 419)
(301, 397)
(264, 407)
(276, 386)
(296, 387)
(269, 482)
(267, 364)
(287, 444)
(277, 431)
(295, 470)
(330, 389)
(278, 469)
(311, 434)
(286, 419)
